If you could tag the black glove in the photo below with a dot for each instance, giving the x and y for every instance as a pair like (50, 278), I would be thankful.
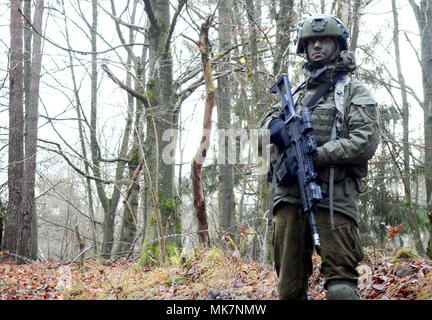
(292, 165)
(278, 133)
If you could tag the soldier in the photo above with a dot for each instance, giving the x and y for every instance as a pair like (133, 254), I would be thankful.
(346, 128)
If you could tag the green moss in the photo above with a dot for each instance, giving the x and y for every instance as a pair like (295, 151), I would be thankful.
(168, 203)
(175, 98)
(152, 222)
(176, 279)
(151, 91)
(152, 97)
(173, 253)
(178, 224)
(163, 25)
(151, 254)
(134, 159)
(404, 255)
(134, 202)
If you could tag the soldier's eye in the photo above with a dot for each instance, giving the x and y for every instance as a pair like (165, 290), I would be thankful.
(311, 41)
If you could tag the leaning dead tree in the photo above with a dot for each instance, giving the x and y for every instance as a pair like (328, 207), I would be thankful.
(198, 190)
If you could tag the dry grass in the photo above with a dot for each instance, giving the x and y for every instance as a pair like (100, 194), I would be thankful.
(209, 274)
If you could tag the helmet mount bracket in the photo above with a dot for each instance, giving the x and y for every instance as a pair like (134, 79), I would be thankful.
(319, 24)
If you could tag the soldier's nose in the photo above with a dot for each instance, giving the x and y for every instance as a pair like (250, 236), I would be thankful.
(317, 44)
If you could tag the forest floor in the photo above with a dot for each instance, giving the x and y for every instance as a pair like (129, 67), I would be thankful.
(210, 274)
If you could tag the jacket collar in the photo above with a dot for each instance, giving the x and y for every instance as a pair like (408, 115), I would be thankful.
(344, 62)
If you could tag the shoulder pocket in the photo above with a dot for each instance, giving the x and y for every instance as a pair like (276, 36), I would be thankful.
(363, 100)
(367, 107)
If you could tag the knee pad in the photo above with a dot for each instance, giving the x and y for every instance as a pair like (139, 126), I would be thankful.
(342, 290)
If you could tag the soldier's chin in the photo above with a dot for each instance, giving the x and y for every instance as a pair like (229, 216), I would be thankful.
(317, 63)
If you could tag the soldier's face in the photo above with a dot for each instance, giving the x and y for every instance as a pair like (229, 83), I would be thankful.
(320, 49)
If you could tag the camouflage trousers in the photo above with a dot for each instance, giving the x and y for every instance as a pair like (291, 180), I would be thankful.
(340, 249)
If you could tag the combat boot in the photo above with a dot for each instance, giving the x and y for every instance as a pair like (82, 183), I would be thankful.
(342, 290)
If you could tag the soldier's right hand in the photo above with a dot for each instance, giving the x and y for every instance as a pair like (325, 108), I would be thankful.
(278, 133)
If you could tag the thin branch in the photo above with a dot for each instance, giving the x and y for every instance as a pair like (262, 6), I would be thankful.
(149, 10)
(173, 24)
(79, 51)
(61, 153)
(131, 91)
(119, 21)
(414, 49)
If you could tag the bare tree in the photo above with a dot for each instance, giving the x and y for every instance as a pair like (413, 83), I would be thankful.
(81, 130)
(223, 98)
(197, 185)
(284, 25)
(21, 228)
(28, 242)
(16, 128)
(406, 176)
(161, 115)
(423, 14)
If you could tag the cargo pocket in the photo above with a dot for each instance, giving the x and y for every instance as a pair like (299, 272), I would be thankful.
(356, 245)
(359, 184)
(349, 186)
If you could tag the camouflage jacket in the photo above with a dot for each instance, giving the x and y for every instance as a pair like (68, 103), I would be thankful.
(356, 144)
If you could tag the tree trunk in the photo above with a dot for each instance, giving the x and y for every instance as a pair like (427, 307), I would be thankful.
(343, 11)
(424, 19)
(28, 244)
(109, 205)
(108, 232)
(284, 22)
(109, 215)
(27, 52)
(406, 147)
(160, 117)
(355, 25)
(129, 221)
(226, 170)
(128, 227)
(197, 186)
(79, 245)
(84, 156)
(1, 223)
(16, 129)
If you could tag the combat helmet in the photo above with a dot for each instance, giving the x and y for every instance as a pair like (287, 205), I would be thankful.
(322, 25)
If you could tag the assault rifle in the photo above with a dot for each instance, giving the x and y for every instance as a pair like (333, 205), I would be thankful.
(296, 159)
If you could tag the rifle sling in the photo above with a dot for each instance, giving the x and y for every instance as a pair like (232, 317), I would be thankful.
(331, 179)
(323, 88)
